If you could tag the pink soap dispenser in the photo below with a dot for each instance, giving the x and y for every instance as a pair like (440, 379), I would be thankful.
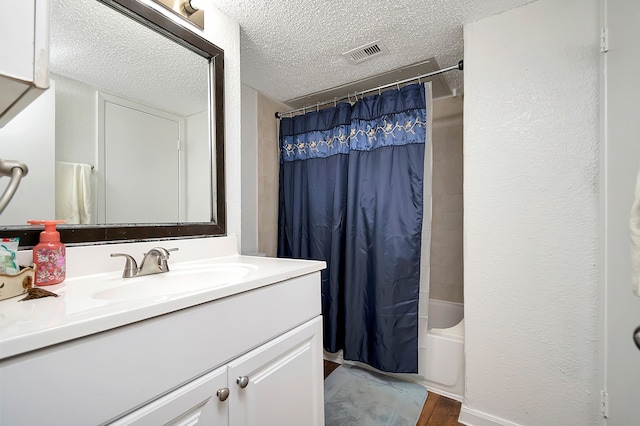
(49, 254)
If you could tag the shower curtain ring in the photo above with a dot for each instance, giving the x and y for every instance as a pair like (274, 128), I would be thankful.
(318, 107)
(398, 84)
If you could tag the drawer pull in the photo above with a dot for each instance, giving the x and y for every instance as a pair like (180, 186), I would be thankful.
(242, 381)
(223, 394)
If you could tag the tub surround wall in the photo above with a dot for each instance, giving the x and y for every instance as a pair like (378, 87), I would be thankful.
(446, 248)
(446, 225)
(260, 167)
(531, 215)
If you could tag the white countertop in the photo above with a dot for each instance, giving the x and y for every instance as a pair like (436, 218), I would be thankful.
(95, 302)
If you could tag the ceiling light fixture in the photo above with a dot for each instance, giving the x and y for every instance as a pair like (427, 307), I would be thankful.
(191, 6)
(191, 10)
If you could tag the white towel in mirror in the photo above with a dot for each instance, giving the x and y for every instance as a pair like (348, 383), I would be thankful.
(634, 223)
(73, 192)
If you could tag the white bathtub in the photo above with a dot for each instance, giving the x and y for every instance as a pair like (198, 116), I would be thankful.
(441, 349)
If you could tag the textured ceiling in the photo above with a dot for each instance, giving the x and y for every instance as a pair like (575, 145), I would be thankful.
(102, 48)
(293, 48)
(289, 49)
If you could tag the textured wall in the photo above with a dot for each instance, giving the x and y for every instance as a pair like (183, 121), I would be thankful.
(249, 243)
(76, 121)
(224, 32)
(268, 168)
(447, 208)
(531, 214)
(620, 153)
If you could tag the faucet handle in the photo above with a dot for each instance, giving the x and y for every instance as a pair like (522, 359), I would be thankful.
(130, 266)
(165, 256)
(163, 251)
(158, 257)
(169, 250)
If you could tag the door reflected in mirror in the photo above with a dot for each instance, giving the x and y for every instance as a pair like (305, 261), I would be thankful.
(124, 128)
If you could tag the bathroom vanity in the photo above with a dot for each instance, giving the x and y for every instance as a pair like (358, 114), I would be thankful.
(220, 339)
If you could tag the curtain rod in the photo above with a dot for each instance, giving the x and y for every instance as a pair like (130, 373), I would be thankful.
(459, 66)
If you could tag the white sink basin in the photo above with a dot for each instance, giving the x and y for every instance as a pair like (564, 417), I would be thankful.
(180, 279)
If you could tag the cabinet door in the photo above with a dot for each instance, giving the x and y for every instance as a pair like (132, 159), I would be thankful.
(195, 403)
(282, 379)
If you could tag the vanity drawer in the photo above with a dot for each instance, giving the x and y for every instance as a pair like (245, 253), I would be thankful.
(99, 378)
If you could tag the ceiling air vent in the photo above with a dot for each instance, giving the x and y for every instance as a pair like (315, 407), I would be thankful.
(366, 52)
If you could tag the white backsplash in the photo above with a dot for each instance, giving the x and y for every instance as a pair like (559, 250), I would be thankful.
(95, 259)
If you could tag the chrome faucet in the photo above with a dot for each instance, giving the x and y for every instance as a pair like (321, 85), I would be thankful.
(153, 262)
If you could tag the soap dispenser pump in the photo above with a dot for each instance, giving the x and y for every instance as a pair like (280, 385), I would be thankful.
(49, 254)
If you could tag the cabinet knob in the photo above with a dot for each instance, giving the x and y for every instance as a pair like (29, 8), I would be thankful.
(242, 381)
(223, 394)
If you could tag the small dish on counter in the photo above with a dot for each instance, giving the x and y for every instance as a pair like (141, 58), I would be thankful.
(18, 284)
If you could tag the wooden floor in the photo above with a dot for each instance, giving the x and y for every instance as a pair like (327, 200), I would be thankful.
(437, 411)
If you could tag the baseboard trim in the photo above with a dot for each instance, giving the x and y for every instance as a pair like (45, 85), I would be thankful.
(472, 417)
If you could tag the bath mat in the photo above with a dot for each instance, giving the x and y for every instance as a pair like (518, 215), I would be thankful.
(357, 397)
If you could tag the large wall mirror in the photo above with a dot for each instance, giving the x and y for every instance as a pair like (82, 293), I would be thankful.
(132, 129)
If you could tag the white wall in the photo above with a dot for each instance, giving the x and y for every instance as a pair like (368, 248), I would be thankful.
(224, 32)
(197, 168)
(76, 121)
(531, 215)
(29, 137)
(249, 243)
(620, 158)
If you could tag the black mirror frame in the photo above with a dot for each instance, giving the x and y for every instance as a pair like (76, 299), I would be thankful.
(101, 234)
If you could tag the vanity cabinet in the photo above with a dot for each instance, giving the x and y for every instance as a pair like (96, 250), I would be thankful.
(263, 345)
(195, 403)
(24, 54)
(278, 383)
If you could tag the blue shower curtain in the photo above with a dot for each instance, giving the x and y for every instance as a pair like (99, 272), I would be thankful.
(384, 229)
(351, 189)
(314, 159)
